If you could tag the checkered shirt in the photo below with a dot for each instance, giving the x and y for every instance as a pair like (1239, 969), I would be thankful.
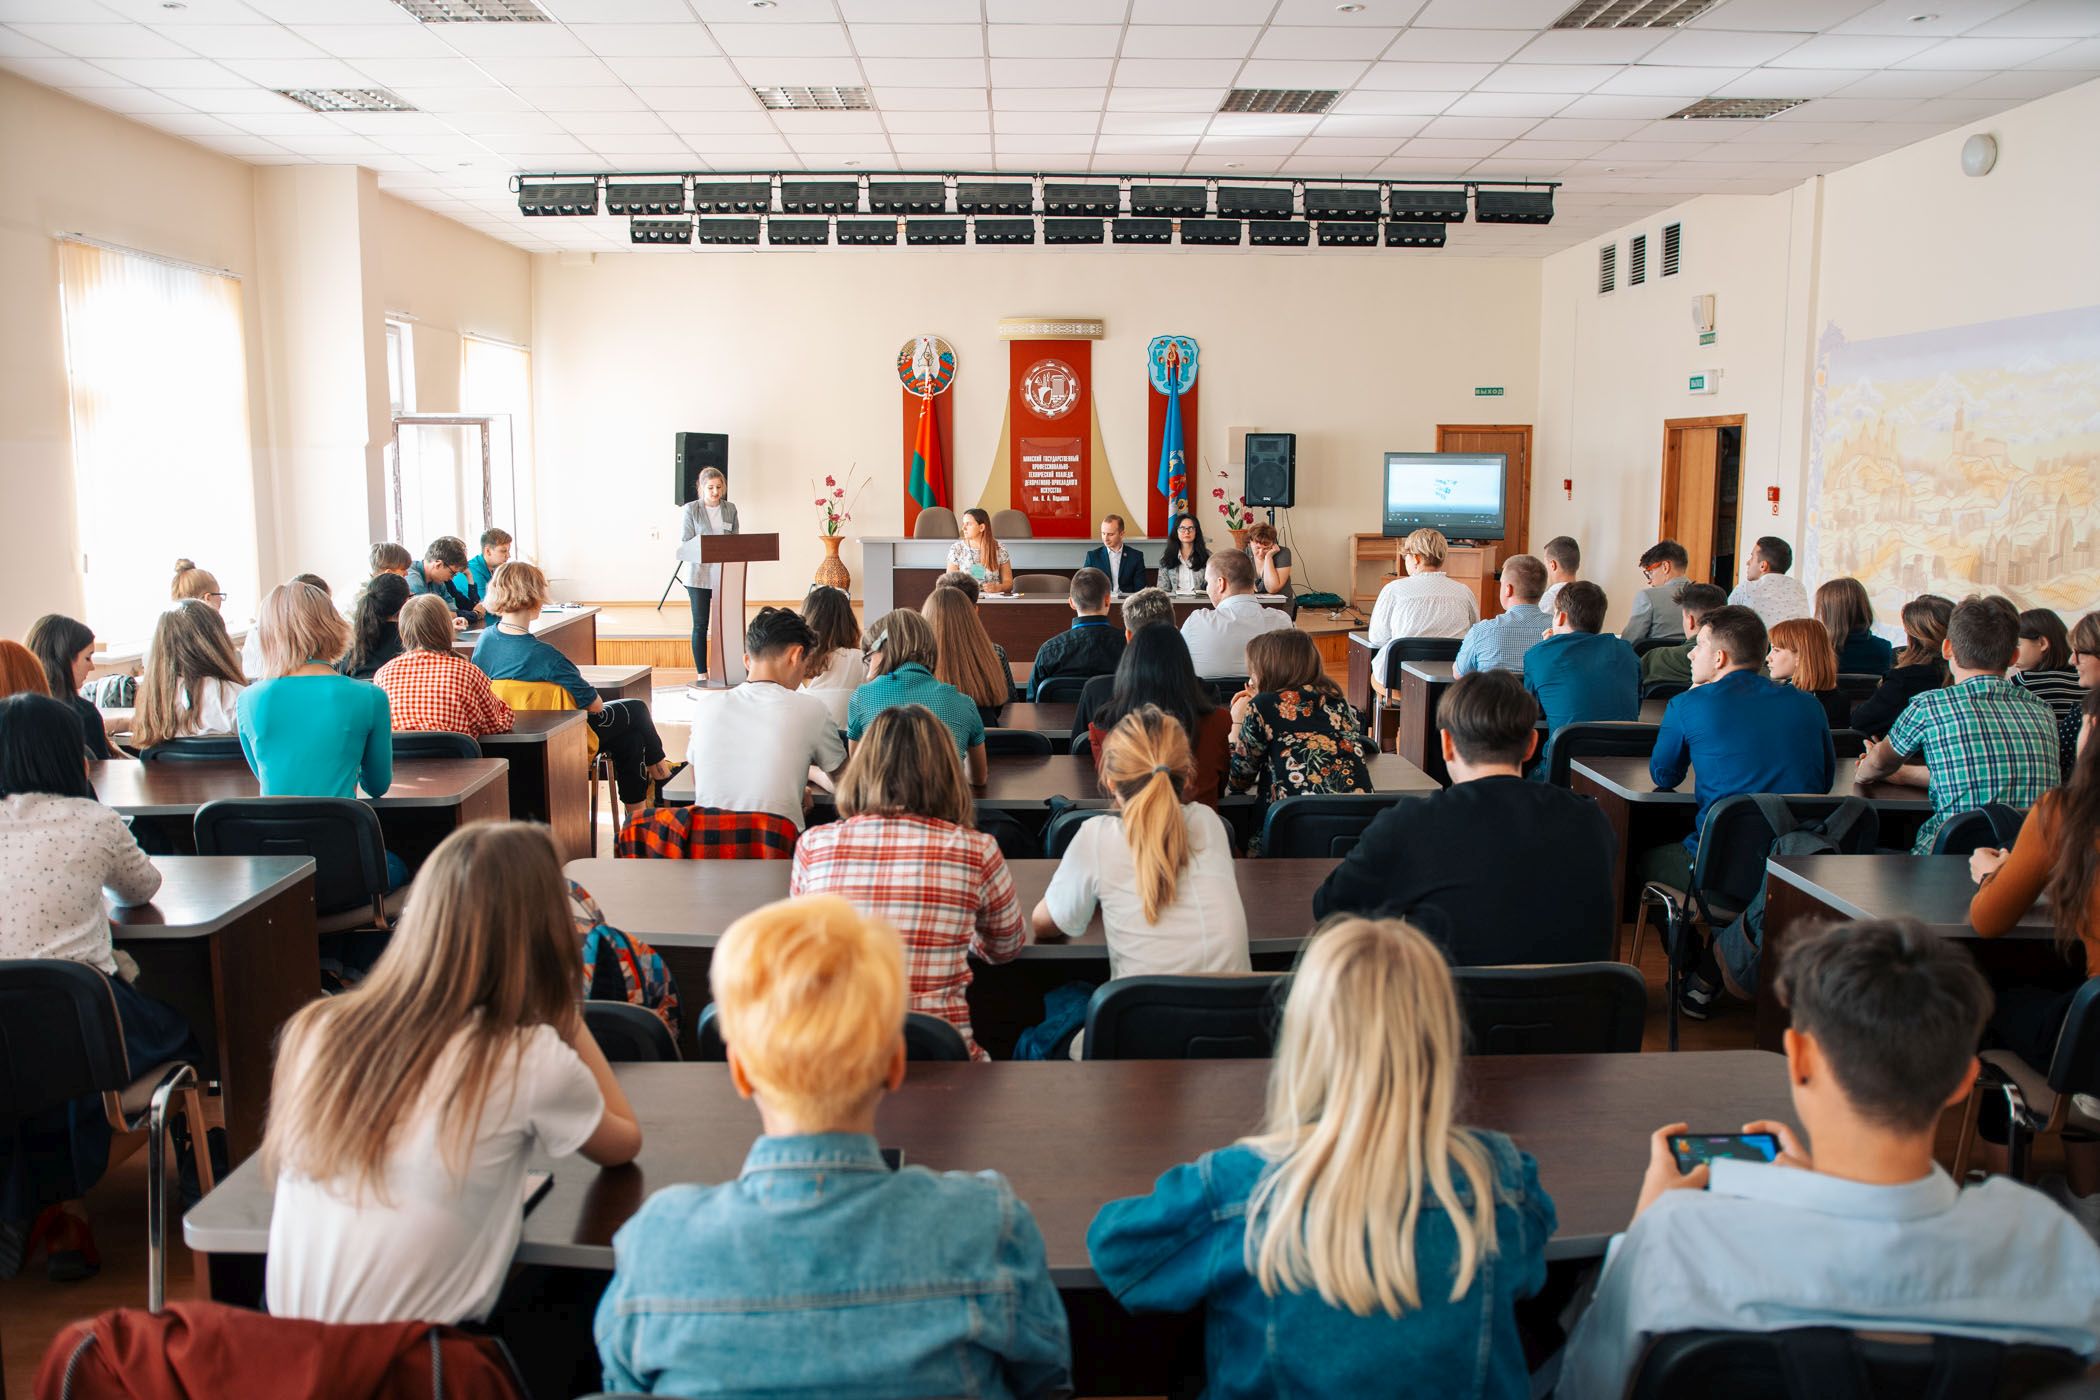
(1983, 740)
(945, 888)
(706, 833)
(437, 690)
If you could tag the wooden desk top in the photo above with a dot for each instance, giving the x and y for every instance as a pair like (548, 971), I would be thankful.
(533, 726)
(1934, 890)
(1435, 672)
(1050, 717)
(1071, 1137)
(613, 677)
(688, 903)
(1628, 778)
(199, 895)
(1269, 600)
(175, 789)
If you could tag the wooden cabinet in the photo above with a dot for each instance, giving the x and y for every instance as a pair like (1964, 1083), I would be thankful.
(1472, 565)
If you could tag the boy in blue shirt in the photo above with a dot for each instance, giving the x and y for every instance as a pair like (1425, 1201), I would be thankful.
(495, 553)
(1578, 672)
(443, 571)
(819, 1270)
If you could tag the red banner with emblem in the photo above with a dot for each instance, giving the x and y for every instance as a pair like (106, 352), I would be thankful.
(1050, 447)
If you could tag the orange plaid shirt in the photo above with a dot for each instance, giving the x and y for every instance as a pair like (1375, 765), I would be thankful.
(437, 690)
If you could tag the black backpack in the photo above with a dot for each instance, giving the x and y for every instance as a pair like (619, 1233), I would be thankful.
(1826, 836)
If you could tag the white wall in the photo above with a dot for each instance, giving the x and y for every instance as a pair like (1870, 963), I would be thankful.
(793, 355)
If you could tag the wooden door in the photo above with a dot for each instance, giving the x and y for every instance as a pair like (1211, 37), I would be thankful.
(1691, 488)
(1514, 441)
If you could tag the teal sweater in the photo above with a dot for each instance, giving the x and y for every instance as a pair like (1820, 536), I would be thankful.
(317, 736)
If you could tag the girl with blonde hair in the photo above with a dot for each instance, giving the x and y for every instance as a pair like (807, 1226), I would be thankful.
(192, 582)
(403, 1112)
(307, 730)
(1363, 1242)
(965, 657)
(193, 678)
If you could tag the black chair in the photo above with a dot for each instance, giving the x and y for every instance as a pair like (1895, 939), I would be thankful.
(1728, 872)
(1404, 649)
(1223, 688)
(1083, 744)
(197, 748)
(1848, 743)
(2036, 1102)
(340, 835)
(1994, 824)
(1595, 739)
(1663, 690)
(1590, 1008)
(630, 1034)
(61, 1040)
(1017, 840)
(926, 1038)
(1017, 743)
(434, 743)
(1233, 1017)
(1056, 690)
(1648, 644)
(1057, 836)
(1840, 1364)
(1855, 686)
(1320, 824)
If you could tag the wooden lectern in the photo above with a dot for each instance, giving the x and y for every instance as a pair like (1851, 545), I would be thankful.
(725, 663)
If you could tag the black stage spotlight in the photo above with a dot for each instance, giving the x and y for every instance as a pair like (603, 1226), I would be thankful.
(1142, 230)
(1005, 230)
(1399, 235)
(1101, 201)
(1330, 202)
(819, 196)
(868, 232)
(726, 231)
(660, 231)
(1425, 205)
(907, 197)
(1167, 201)
(1210, 233)
(986, 197)
(1338, 234)
(559, 198)
(1071, 230)
(654, 198)
(1254, 202)
(741, 197)
(1513, 206)
(1266, 234)
(934, 230)
(800, 233)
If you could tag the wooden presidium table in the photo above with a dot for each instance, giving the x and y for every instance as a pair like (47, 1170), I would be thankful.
(1022, 623)
(1072, 1137)
(725, 663)
(572, 631)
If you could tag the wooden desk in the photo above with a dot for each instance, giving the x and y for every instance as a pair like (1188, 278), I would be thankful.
(1933, 890)
(571, 631)
(626, 682)
(229, 941)
(1023, 623)
(1052, 719)
(549, 756)
(1362, 690)
(1422, 687)
(1642, 817)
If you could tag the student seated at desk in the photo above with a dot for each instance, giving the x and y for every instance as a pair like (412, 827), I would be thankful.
(495, 553)
(1919, 667)
(1869, 1232)
(441, 571)
(189, 581)
(1498, 643)
(1217, 636)
(1982, 739)
(904, 852)
(1801, 656)
(964, 656)
(1657, 606)
(389, 558)
(1155, 670)
(432, 687)
(60, 850)
(2046, 668)
(1847, 615)
(834, 668)
(980, 555)
(66, 649)
(1145, 608)
(900, 655)
(1563, 560)
(1272, 562)
(1292, 732)
(1579, 673)
(1362, 1242)
(1091, 646)
(754, 745)
(1767, 589)
(1672, 664)
(1494, 868)
(403, 1112)
(193, 679)
(818, 1270)
(375, 628)
(21, 673)
(1181, 568)
(1425, 601)
(306, 729)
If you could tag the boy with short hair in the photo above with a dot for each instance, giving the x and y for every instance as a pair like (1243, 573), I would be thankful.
(439, 572)
(1499, 643)
(1869, 1233)
(1563, 559)
(1766, 587)
(390, 558)
(753, 745)
(495, 553)
(1672, 664)
(1579, 672)
(819, 1270)
(1091, 646)
(1655, 606)
(1148, 607)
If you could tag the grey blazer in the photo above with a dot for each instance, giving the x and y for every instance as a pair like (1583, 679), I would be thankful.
(693, 521)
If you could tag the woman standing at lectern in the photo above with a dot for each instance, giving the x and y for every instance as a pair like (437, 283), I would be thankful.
(708, 514)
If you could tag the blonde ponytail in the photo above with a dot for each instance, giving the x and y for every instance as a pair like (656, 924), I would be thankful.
(1146, 762)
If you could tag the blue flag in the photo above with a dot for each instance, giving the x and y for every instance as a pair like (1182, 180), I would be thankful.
(1173, 461)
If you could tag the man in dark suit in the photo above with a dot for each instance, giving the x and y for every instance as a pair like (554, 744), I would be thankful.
(1124, 567)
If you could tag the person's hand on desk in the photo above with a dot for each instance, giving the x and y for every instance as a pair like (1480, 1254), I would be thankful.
(459, 624)
(1662, 1174)
(1984, 862)
(1042, 927)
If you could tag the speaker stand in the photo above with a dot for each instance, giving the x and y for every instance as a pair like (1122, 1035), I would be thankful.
(667, 590)
(1272, 517)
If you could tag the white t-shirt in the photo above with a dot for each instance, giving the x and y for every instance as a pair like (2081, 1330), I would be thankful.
(1217, 637)
(438, 1248)
(215, 707)
(844, 672)
(1546, 601)
(1203, 930)
(251, 654)
(753, 747)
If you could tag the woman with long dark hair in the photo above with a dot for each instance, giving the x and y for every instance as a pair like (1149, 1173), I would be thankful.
(1156, 670)
(1847, 614)
(1181, 568)
(67, 650)
(193, 679)
(1919, 666)
(375, 627)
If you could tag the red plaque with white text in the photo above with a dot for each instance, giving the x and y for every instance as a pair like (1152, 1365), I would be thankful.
(1050, 442)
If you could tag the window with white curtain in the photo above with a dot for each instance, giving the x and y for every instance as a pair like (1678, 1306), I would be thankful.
(496, 379)
(157, 365)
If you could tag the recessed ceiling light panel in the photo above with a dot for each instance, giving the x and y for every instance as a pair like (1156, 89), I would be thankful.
(1632, 14)
(1735, 108)
(814, 99)
(1282, 101)
(368, 99)
(476, 11)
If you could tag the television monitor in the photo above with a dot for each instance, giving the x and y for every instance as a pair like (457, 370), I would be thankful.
(1459, 493)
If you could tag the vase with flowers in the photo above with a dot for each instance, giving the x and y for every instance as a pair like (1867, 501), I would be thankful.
(1234, 509)
(836, 504)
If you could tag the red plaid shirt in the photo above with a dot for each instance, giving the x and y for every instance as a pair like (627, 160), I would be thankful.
(437, 690)
(945, 888)
(706, 833)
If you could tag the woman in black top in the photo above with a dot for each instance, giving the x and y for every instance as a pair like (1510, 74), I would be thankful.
(67, 649)
(1156, 670)
(2043, 665)
(1186, 551)
(1845, 611)
(1919, 666)
(375, 627)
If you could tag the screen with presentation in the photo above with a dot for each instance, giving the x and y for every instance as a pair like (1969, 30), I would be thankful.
(1459, 493)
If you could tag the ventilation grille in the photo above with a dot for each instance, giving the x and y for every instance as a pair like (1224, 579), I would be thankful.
(347, 99)
(813, 99)
(1286, 100)
(475, 11)
(1632, 14)
(1735, 109)
(1673, 245)
(1607, 269)
(1637, 260)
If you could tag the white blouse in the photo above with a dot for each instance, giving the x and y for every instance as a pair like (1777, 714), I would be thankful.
(215, 707)
(843, 673)
(963, 555)
(57, 856)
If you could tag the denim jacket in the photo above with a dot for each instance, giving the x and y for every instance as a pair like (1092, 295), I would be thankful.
(1184, 1246)
(821, 1272)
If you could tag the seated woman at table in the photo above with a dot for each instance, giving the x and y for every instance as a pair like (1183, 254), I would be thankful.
(67, 649)
(1156, 670)
(1363, 1234)
(193, 679)
(1272, 562)
(901, 655)
(1181, 569)
(2058, 852)
(980, 555)
(60, 850)
(1292, 732)
(1919, 667)
(1159, 870)
(905, 805)
(1801, 655)
(432, 687)
(966, 658)
(835, 666)
(375, 629)
(308, 730)
(21, 673)
(404, 1111)
(1847, 614)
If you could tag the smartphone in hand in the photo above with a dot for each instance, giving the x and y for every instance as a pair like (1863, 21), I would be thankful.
(1691, 1149)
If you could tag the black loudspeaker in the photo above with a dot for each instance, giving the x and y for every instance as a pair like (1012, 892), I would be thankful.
(696, 451)
(1271, 477)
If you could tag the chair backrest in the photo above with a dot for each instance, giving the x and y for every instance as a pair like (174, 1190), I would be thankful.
(2075, 1068)
(935, 523)
(1019, 743)
(1312, 825)
(1648, 644)
(1994, 824)
(532, 695)
(1083, 744)
(1596, 739)
(1663, 690)
(1042, 585)
(1011, 524)
(1223, 688)
(1588, 1008)
(1848, 743)
(926, 1038)
(1053, 690)
(1855, 686)
(1416, 649)
(1059, 831)
(1835, 1363)
(196, 748)
(340, 834)
(1729, 870)
(60, 1038)
(1186, 1018)
(629, 1034)
(434, 743)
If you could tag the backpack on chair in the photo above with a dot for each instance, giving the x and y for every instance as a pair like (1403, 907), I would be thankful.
(1826, 836)
(618, 966)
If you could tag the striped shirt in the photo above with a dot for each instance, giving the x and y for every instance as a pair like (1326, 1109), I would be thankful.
(1499, 643)
(2057, 688)
(1983, 740)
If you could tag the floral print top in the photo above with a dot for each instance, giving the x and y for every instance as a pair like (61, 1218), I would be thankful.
(1299, 741)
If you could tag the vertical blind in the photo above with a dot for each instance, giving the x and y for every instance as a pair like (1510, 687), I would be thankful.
(157, 366)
